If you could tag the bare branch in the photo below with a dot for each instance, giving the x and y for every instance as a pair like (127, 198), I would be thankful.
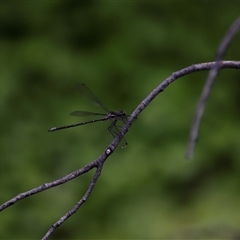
(174, 76)
(55, 183)
(208, 87)
(78, 205)
(98, 163)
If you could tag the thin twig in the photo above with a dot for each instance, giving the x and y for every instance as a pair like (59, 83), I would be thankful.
(78, 204)
(49, 185)
(193, 136)
(174, 76)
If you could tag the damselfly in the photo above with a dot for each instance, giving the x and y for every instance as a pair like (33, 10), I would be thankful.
(112, 116)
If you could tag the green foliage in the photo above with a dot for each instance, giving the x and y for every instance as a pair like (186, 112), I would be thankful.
(121, 50)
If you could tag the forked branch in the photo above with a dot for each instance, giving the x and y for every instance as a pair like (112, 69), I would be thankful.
(99, 162)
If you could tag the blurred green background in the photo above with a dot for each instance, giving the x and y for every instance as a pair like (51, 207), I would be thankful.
(122, 51)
